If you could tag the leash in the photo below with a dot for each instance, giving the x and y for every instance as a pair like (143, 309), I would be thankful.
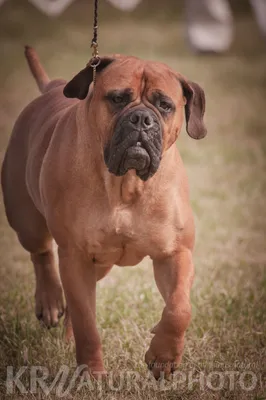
(95, 60)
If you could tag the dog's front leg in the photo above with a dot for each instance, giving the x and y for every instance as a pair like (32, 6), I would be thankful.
(174, 277)
(79, 278)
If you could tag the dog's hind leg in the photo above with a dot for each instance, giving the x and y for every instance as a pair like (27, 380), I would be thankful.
(49, 306)
(33, 234)
(35, 238)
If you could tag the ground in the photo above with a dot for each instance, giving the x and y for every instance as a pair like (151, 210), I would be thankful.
(227, 178)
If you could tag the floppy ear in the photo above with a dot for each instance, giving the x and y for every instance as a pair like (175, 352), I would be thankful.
(194, 109)
(78, 87)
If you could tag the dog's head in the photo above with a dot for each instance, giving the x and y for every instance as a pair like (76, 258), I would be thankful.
(137, 108)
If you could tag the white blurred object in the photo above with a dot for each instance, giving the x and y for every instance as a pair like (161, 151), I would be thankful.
(51, 7)
(210, 23)
(125, 5)
(259, 7)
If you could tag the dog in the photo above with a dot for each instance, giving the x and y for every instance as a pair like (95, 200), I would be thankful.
(95, 168)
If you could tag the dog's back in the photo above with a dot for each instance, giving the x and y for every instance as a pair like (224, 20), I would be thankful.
(28, 143)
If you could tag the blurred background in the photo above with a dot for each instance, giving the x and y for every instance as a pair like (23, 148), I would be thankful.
(226, 173)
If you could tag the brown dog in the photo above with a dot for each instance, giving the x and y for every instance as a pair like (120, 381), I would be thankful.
(104, 179)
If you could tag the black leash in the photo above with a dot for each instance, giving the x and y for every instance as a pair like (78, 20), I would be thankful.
(95, 60)
(95, 25)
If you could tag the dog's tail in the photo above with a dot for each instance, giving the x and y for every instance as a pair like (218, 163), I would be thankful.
(36, 68)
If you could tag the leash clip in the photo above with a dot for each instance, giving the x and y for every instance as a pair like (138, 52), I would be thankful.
(95, 60)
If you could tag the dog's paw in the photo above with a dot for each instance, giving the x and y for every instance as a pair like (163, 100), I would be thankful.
(49, 303)
(164, 355)
(96, 372)
(92, 365)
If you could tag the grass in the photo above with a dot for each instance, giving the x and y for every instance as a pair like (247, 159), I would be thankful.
(228, 190)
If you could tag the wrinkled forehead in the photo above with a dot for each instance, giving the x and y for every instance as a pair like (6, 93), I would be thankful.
(160, 76)
(142, 77)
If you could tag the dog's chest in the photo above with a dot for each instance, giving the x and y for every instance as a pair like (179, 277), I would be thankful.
(125, 237)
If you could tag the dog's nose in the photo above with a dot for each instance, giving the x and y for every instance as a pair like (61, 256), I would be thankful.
(142, 119)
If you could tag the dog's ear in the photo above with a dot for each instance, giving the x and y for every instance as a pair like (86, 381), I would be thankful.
(194, 109)
(78, 87)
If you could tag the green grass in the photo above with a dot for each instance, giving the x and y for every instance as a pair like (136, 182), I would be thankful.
(228, 190)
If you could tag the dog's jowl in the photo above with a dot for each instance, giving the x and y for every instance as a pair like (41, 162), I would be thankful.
(97, 170)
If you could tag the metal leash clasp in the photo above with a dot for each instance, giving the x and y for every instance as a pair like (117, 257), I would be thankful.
(95, 60)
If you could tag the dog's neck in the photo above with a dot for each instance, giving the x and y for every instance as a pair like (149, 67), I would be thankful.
(125, 189)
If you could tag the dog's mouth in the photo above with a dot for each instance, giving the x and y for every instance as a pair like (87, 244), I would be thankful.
(136, 157)
(139, 149)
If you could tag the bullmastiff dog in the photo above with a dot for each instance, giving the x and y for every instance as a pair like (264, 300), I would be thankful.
(96, 169)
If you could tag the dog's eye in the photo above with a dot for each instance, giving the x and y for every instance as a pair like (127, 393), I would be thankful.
(118, 99)
(165, 106)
